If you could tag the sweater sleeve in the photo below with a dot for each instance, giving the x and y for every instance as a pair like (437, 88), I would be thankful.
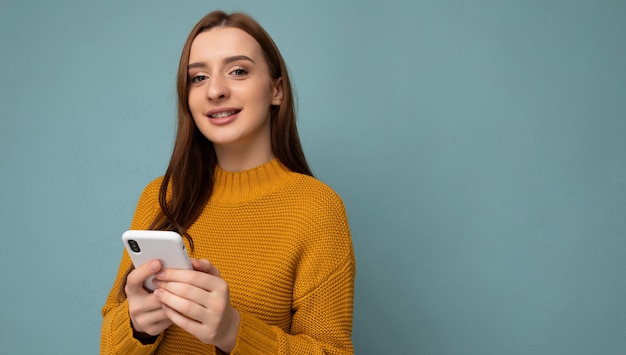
(323, 294)
(116, 335)
(322, 324)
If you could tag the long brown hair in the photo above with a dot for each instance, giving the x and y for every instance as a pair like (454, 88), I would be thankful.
(188, 180)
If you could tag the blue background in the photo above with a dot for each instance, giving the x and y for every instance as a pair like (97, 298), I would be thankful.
(479, 147)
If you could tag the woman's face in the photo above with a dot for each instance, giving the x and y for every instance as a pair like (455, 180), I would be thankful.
(230, 90)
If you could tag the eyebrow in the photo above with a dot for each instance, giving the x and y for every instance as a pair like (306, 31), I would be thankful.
(226, 60)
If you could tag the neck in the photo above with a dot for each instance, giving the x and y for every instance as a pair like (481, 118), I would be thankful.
(247, 153)
(242, 158)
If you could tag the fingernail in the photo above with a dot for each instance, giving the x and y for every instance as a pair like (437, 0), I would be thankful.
(158, 293)
(154, 266)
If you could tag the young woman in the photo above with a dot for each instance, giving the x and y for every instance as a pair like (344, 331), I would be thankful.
(273, 260)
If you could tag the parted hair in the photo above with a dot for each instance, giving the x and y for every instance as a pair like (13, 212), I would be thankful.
(188, 181)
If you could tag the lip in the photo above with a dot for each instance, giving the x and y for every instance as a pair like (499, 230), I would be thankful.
(222, 120)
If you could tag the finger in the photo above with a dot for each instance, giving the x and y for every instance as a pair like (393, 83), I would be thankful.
(152, 321)
(205, 266)
(155, 328)
(159, 327)
(137, 277)
(190, 325)
(146, 319)
(210, 328)
(192, 277)
(189, 292)
(141, 304)
(180, 305)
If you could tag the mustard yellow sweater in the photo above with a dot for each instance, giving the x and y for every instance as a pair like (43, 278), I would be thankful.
(282, 243)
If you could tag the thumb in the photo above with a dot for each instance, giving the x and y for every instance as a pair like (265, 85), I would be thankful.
(140, 274)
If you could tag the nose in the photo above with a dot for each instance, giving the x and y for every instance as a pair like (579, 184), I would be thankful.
(217, 88)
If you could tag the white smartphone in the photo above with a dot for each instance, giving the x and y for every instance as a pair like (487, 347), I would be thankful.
(146, 245)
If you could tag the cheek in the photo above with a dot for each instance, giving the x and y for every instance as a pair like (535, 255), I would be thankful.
(262, 96)
(193, 100)
(253, 93)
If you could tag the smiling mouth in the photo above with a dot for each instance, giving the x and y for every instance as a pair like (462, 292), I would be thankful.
(223, 114)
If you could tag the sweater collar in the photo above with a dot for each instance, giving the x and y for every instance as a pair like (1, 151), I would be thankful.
(247, 185)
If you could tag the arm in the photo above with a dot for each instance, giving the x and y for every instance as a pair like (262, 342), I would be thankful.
(117, 333)
(321, 324)
(323, 292)
(118, 336)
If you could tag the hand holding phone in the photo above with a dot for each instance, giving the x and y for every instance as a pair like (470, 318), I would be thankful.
(166, 246)
(146, 311)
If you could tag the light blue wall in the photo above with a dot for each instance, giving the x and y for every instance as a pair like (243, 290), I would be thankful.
(480, 148)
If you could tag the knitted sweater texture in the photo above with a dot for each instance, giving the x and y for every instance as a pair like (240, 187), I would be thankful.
(282, 243)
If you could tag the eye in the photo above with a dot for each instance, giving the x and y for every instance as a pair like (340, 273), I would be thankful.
(239, 72)
(198, 78)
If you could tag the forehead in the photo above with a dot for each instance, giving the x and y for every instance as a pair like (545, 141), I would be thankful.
(222, 42)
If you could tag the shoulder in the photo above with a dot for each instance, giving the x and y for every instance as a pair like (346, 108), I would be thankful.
(151, 190)
(311, 188)
(321, 207)
(148, 205)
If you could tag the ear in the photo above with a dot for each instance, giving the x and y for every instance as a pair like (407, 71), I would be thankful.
(277, 92)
